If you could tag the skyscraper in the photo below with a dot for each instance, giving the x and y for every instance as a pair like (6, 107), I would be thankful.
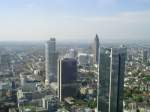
(96, 49)
(103, 82)
(67, 76)
(50, 61)
(111, 79)
(117, 71)
(145, 56)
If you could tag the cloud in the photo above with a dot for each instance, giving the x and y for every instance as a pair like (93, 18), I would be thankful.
(142, 1)
(125, 26)
(107, 3)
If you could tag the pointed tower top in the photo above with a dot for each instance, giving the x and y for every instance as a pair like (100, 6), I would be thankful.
(96, 38)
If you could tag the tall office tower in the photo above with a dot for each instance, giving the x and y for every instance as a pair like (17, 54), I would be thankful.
(96, 49)
(51, 61)
(117, 71)
(67, 76)
(103, 82)
(145, 56)
(111, 79)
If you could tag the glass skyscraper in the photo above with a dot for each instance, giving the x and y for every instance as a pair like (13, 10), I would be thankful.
(67, 76)
(111, 79)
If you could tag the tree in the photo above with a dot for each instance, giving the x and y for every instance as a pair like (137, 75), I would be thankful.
(92, 103)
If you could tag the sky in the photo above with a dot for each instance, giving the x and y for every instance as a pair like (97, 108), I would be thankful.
(75, 20)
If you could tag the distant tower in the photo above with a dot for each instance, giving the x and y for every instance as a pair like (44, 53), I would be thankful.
(96, 49)
(145, 56)
(51, 61)
(72, 53)
(67, 76)
(111, 79)
(22, 80)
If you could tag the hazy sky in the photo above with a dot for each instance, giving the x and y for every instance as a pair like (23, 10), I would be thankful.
(75, 20)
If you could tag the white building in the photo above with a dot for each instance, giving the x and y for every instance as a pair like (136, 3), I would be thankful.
(50, 61)
(84, 59)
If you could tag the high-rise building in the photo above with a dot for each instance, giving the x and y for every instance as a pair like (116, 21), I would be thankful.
(51, 61)
(103, 82)
(67, 76)
(111, 79)
(145, 56)
(117, 72)
(96, 49)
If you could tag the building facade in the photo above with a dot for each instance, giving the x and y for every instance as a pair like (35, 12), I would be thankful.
(67, 76)
(51, 61)
(103, 81)
(96, 49)
(111, 79)
(145, 56)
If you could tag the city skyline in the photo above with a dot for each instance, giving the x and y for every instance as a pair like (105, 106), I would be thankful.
(74, 56)
(119, 82)
(112, 20)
